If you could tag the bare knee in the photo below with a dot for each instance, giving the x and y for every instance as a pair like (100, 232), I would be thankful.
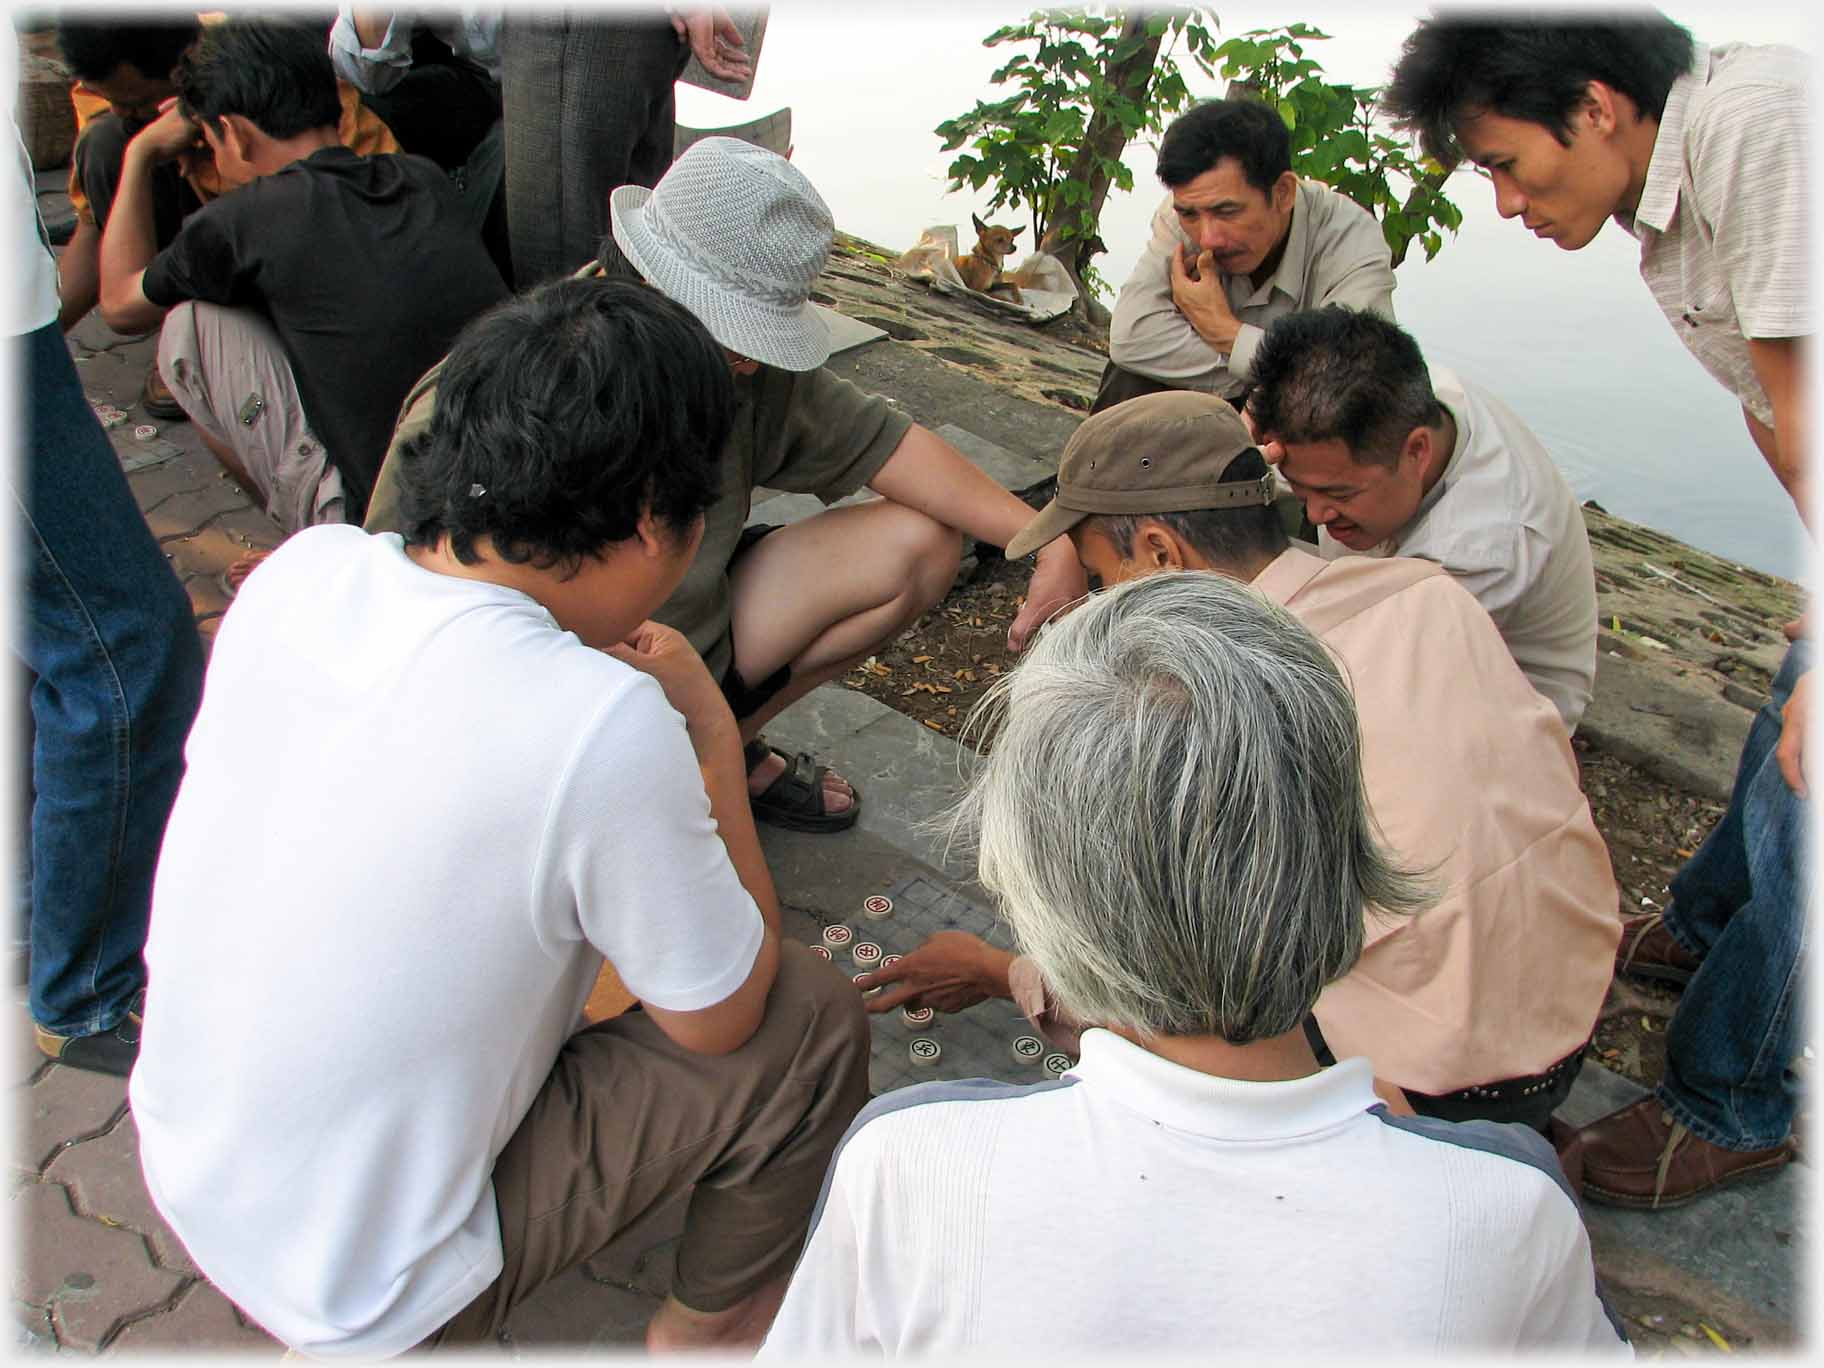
(930, 552)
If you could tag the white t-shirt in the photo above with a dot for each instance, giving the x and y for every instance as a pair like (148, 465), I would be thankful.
(1136, 1207)
(30, 301)
(1504, 523)
(416, 815)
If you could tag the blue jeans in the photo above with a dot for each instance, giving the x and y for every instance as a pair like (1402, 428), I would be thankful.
(117, 671)
(1739, 905)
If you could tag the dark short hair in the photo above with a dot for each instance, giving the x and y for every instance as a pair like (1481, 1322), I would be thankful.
(1225, 537)
(1533, 67)
(95, 48)
(275, 73)
(1247, 130)
(1343, 374)
(613, 262)
(562, 416)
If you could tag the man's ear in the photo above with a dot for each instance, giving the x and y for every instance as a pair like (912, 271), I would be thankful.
(654, 537)
(1285, 190)
(1416, 449)
(1156, 548)
(236, 132)
(1603, 106)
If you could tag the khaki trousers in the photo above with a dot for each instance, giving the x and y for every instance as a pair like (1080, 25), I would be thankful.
(627, 1120)
(229, 371)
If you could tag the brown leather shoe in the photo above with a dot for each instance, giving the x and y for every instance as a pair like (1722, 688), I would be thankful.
(155, 398)
(1640, 1157)
(1648, 951)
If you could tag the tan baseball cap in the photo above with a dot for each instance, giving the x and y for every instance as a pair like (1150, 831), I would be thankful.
(1161, 453)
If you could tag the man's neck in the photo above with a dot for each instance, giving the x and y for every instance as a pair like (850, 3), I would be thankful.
(1639, 137)
(578, 604)
(278, 153)
(1262, 273)
(1278, 1060)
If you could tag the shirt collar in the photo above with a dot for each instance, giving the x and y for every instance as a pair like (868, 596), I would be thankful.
(1290, 571)
(1665, 169)
(1223, 1108)
(1459, 417)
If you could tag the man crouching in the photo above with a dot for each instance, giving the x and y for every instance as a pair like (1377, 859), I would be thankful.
(361, 1103)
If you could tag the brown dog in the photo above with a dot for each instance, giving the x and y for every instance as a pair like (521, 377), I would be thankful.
(981, 269)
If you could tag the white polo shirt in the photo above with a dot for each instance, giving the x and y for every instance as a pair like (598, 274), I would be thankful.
(1505, 524)
(1135, 1206)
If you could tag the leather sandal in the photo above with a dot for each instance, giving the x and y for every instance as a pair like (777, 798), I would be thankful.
(795, 799)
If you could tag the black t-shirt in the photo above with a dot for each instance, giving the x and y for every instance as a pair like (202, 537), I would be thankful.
(366, 272)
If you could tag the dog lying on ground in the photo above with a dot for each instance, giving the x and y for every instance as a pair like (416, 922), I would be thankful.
(981, 269)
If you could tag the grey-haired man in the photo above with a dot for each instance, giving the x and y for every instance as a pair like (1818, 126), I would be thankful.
(1481, 1006)
(738, 236)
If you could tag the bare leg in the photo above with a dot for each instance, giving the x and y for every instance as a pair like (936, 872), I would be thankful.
(676, 1327)
(821, 594)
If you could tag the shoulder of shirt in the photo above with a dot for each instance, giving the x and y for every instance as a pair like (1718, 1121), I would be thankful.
(1510, 1143)
(1332, 207)
(890, 1111)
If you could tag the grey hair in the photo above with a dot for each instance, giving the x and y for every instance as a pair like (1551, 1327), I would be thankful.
(1171, 817)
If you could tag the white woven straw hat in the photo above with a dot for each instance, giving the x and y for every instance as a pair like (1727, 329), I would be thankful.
(738, 236)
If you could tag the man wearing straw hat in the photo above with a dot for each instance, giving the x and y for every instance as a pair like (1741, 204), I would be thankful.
(738, 236)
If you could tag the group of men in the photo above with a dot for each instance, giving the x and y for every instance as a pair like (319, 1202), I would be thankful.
(1289, 833)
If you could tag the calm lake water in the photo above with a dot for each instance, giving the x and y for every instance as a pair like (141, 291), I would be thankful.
(1571, 340)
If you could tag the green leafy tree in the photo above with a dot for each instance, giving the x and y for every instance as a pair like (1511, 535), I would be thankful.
(1090, 83)
(1335, 140)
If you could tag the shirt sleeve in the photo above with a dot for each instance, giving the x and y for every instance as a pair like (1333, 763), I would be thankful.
(835, 438)
(208, 260)
(1148, 335)
(374, 70)
(820, 1317)
(632, 860)
(1750, 166)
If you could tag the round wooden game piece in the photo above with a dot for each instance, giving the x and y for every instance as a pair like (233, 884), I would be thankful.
(1028, 1049)
(867, 954)
(878, 906)
(823, 953)
(865, 992)
(918, 1018)
(838, 936)
(1057, 1065)
(925, 1051)
(890, 961)
(145, 432)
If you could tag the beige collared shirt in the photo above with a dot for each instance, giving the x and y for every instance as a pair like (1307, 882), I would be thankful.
(1505, 525)
(1335, 254)
(1469, 776)
(1723, 219)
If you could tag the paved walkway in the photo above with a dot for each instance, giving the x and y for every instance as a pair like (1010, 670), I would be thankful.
(98, 1271)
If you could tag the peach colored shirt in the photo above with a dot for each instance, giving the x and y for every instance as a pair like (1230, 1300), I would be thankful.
(1470, 775)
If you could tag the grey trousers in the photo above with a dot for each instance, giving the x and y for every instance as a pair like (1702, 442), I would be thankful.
(588, 107)
(627, 1121)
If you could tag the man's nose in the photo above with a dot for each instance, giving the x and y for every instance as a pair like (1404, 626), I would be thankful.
(1212, 238)
(1508, 199)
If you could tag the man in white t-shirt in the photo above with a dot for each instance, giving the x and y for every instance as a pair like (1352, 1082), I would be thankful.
(1172, 822)
(1393, 459)
(363, 1101)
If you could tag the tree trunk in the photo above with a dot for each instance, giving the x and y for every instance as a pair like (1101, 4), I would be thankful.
(1104, 138)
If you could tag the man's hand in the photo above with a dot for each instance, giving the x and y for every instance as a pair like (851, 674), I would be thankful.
(951, 971)
(169, 135)
(1057, 582)
(1197, 291)
(1790, 753)
(667, 655)
(1271, 451)
(713, 39)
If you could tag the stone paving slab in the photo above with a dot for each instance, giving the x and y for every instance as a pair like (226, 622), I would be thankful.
(1684, 736)
(90, 1278)
(105, 1184)
(202, 1316)
(66, 1106)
